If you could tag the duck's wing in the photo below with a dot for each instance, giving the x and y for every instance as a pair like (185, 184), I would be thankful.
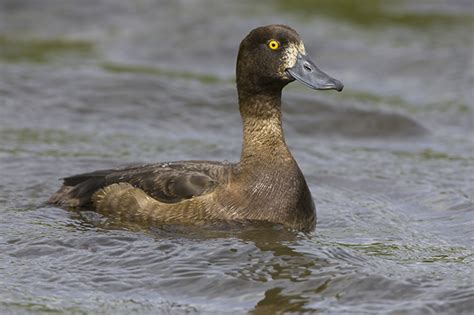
(166, 182)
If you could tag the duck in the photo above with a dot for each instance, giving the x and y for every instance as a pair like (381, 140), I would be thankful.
(266, 185)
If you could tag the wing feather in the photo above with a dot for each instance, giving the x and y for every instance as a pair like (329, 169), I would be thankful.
(166, 182)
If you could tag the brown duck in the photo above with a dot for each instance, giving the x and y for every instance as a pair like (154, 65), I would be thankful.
(265, 185)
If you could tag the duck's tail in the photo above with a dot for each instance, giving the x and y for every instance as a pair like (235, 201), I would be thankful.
(77, 190)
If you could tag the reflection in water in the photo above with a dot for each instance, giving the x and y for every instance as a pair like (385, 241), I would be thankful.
(268, 257)
(275, 301)
(288, 264)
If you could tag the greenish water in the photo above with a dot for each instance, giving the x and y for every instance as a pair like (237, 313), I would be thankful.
(389, 161)
(40, 50)
(373, 13)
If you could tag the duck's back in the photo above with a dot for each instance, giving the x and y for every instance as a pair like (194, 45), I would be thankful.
(169, 182)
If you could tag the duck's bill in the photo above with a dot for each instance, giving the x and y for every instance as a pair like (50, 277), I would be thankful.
(306, 72)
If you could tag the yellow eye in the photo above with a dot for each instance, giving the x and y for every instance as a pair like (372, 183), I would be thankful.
(273, 44)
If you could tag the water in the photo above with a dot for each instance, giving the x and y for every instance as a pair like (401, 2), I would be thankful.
(390, 160)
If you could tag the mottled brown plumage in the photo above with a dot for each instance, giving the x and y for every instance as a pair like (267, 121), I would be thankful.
(265, 185)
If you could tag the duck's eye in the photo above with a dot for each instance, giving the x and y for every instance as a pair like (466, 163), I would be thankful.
(273, 44)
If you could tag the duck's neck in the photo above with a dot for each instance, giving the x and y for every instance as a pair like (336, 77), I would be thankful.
(263, 140)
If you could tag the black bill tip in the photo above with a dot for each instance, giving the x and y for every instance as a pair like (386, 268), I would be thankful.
(339, 86)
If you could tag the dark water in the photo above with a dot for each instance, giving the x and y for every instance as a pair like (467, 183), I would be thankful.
(86, 85)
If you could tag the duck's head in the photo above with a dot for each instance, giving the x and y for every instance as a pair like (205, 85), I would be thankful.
(272, 56)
